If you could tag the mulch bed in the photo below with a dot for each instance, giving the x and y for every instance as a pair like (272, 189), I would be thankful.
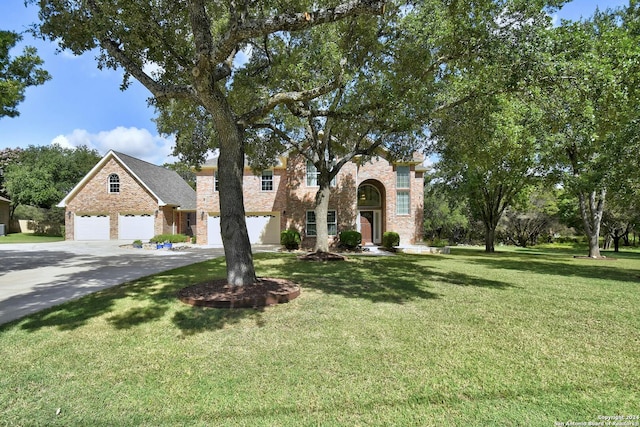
(218, 294)
(600, 258)
(322, 256)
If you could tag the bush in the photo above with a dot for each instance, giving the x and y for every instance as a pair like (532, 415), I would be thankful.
(290, 239)
(437, 242)
(390, 239)
(350, 239)
(170, 238)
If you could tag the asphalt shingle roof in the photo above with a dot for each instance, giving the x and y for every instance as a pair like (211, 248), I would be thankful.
(163, 182)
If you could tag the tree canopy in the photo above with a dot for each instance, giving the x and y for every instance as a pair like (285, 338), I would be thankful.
(592, 104)
(17, 73)
(42, 176)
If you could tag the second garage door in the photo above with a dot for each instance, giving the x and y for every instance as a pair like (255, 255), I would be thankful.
(133, 227)
(262, 229)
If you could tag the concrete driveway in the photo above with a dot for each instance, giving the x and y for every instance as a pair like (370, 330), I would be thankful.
(37, 276)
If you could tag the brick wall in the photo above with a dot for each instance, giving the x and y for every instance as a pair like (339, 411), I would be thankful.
(94, 198)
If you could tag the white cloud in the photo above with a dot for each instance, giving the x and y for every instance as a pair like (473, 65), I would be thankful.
(139, 143)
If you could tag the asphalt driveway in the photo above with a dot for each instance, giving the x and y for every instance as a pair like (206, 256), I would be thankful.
(37, 276)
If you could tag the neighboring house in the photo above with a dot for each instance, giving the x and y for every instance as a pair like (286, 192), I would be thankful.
(5, 213)
(372, 197)
(127, 199)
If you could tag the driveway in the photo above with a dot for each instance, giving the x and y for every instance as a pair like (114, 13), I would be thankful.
(37, 276)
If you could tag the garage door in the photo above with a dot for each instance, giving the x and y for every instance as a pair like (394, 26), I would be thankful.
(91, 227)
(262, 228)
(133, 227)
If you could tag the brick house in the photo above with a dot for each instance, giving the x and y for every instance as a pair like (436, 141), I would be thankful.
(372, 197)
(126, 198)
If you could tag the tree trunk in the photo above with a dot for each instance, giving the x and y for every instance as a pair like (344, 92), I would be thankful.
(592, 219)
(489, 238)
(321, 210)
(233, 226)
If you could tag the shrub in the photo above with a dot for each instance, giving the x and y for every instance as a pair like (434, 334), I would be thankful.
(171, 238)
(437, 242)
(290, 239)
(350, 239)
(390, 239)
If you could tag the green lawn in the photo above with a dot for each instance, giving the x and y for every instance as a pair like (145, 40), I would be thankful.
(521, 338)
(28, 238)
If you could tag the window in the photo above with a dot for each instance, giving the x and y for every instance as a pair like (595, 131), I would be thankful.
(267, 181)
(369, 196)
(402, 176)
(216, 184)
(114, 183)
(312, 175)
(402, 203)
(332, 223)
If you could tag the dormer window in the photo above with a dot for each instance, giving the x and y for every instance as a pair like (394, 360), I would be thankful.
(114, 183)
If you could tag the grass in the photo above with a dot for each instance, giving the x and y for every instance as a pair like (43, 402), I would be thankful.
(521, 337)
(28, 238)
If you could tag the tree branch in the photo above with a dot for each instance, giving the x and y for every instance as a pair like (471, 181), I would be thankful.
(288, 98)
(242, 29)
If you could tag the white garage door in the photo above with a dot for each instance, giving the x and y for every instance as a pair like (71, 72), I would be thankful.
(91, 227)
(213, 231)
(133, 227)
(262, 228)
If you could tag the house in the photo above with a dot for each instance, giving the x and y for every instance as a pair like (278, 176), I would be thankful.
(371, 196)
(126, 198)
(5, 214)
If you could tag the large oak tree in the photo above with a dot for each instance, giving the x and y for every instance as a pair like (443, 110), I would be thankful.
(192, 45)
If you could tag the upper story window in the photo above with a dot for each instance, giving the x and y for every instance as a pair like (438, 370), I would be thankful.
(266, 181)
(402, 177)
(313, 176)
(216, 184)
(114, 183)
(403, 201)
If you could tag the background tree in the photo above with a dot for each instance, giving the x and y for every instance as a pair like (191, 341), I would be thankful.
(487, 149)
(41, 176)
(445, 216)
(7, 156)
(17, 73)
(593, 99)
(194, 45)
(533, 218)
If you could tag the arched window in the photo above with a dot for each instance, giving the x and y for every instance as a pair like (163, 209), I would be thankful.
(114, 183)
(369, 196)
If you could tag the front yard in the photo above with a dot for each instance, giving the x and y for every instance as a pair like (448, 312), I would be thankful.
(29, 238)
(522, 337)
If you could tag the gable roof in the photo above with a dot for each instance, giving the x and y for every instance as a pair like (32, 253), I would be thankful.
(2, 199)
(164, 184)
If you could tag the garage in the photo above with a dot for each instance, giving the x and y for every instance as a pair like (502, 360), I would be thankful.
(262, 229)
(134, 227)
(91, 227)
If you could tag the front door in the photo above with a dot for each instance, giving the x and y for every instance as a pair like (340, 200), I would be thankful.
(366, 226)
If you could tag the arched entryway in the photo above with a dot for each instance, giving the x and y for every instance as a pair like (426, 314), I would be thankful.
(370, 210)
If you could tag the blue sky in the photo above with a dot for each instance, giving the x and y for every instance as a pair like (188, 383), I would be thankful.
(82, 105)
